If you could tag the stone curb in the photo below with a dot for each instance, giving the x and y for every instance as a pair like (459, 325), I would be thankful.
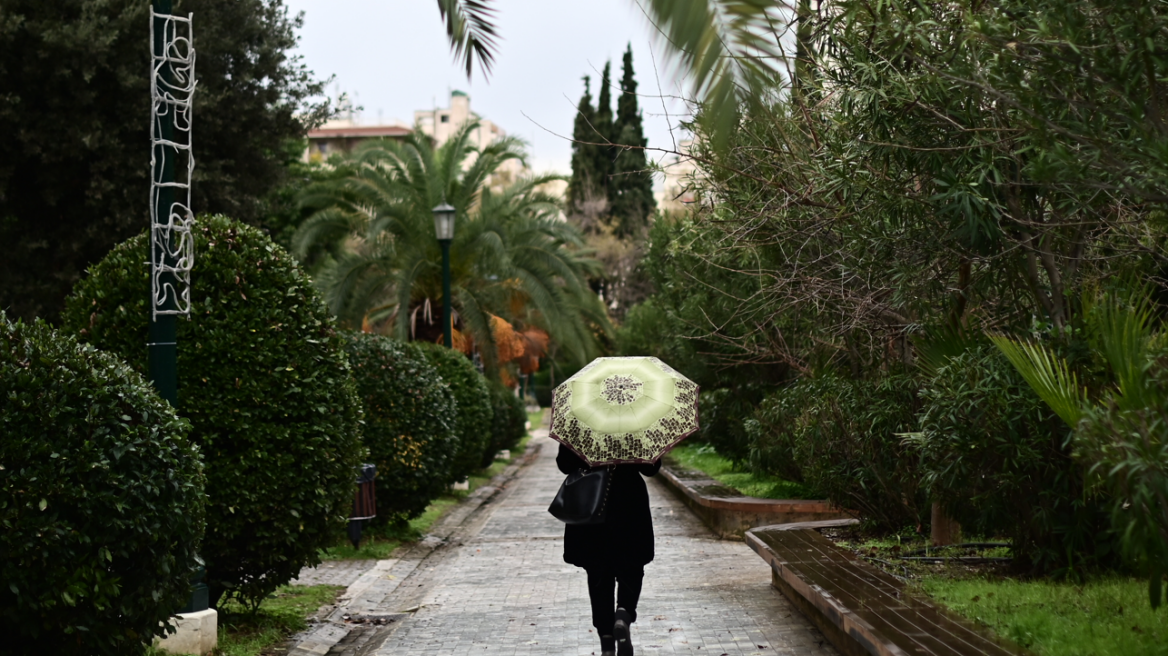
(730, 514)
(366, 596)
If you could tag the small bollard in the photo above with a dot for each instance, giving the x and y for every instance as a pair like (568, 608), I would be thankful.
(364, 503)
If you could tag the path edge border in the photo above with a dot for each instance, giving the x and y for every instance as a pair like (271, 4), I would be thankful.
(731, 516)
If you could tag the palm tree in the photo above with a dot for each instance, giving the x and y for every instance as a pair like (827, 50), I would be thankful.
(512, 256)
(730, 49)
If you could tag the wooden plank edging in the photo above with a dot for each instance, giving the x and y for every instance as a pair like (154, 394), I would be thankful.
(932, 629)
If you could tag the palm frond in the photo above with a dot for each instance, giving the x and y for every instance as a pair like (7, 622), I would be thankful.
(729, 48)
(471, 32)
(1048, 375)
(1124, 330)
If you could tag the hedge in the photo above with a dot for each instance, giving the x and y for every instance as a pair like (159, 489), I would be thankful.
(409, 423)
(508, 420)
(101, 499)
(472, 423)
(265, 383)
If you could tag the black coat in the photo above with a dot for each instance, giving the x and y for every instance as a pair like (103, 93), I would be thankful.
(625, 539)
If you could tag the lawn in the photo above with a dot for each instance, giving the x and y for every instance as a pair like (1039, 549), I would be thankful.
(702, 457)
(1109, 616)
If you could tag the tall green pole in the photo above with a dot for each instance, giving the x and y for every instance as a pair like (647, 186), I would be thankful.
(162, 340)
(446, 312)
(162, 355)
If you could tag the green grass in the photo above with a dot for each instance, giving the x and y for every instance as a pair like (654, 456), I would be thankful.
(1105, 617)
(703, 458)
(242, 633)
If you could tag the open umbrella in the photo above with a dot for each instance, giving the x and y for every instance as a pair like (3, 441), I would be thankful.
(624, 410)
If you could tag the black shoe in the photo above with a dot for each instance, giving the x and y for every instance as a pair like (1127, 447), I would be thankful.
(620, 631)
(607, 646)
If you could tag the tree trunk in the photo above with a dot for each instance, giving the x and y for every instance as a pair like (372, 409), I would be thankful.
(944, 529)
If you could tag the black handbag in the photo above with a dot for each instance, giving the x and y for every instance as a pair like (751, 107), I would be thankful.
(583, 497)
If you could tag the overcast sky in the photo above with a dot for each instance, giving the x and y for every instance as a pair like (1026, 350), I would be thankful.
(392, 57)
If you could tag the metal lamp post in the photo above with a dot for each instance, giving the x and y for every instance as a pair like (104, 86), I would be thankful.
(444, 228)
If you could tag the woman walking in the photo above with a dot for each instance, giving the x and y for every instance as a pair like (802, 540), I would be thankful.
(613, 553)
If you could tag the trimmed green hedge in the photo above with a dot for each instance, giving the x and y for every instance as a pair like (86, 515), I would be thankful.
(265, 383)
(409, 423)
(101, 500)
(472, 423)
(508, 420)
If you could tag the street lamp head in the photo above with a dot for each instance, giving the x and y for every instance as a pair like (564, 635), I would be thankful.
(444, 222)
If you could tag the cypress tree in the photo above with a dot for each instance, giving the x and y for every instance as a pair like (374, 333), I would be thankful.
(630, 188)
(584, 175)
(604, 133)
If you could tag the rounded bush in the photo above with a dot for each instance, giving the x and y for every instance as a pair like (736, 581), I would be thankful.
(508, 420)
(472, 423)
(101, 499)
(1000, 462)
(409, 419)
(263, 379)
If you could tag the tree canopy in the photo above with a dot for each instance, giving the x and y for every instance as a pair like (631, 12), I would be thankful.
(74, 130)
(514, 264)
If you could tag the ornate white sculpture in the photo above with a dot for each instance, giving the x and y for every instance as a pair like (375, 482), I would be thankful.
(172, 251)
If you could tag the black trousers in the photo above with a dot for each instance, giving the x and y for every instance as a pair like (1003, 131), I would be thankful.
(602, 582)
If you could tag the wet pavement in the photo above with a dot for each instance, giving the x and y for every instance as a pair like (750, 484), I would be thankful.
(496, 583)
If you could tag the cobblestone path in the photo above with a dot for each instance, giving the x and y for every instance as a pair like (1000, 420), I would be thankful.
(502, 587)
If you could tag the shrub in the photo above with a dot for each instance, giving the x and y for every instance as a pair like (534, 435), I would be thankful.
(723, 412)
(1128, 449)
(770, 432)
(999, 461)
(409, 418)
(846, 444)
(508, 420)
(472, 422)
(263, 379)
(101, 499)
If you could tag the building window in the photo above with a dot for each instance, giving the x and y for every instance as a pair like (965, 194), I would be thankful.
(445, 118)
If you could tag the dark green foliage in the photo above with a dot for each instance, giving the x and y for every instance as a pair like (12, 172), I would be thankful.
(583, 185)
(603, 155)
(472, 422)
(409, 423)
(771, 431)
(263, 379)
(74, 127)
(999, 461)
(840, 438)
(508, 421)
(1129, 449)
(723, 412)
(101, 499)
(631, 186)
(610, 174)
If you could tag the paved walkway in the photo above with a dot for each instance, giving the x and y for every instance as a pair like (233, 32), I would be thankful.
(501, 587)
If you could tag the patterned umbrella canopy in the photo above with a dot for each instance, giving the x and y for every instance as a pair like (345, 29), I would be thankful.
(624, 410)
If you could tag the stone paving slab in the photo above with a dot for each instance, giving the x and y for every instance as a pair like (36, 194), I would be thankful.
(334, 572)
(498, 585)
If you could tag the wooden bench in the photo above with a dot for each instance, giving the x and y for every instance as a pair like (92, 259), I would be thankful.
(861, 609)
(728, 512)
